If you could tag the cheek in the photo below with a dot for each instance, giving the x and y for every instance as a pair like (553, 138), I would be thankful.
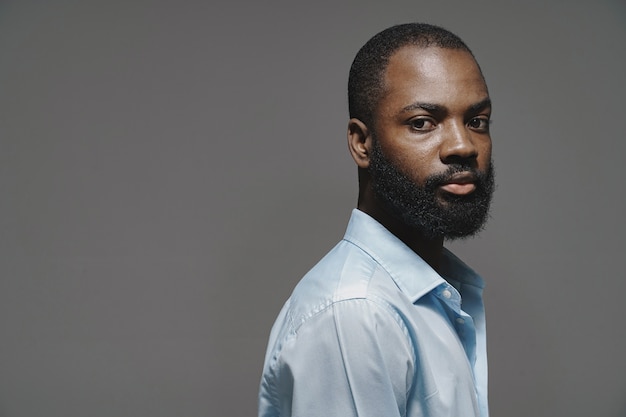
(425, 163)
(419, 169)
(415, 159)
(484, 156)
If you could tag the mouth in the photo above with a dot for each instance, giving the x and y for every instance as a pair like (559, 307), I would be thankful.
(462, 183)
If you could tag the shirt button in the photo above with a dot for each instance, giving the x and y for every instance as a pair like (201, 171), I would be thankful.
(460, 320)
(446, 293)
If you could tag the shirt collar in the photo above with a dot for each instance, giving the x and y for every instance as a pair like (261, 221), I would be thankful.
(456, 270)
(411, 273)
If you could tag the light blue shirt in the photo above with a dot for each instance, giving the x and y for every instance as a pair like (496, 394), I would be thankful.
(373, 331)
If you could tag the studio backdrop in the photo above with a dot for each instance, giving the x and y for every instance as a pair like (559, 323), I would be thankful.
(170, 169)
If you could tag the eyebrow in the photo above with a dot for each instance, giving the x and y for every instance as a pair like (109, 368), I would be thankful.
(481, 105)
(433, 108)
(437, 108)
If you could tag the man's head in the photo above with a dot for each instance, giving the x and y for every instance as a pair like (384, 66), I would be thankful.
(365, 82)
(419, 131)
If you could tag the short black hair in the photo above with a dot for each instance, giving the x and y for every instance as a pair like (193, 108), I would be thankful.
(365, 83)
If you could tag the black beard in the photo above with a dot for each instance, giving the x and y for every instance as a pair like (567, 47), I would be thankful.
(434, 214)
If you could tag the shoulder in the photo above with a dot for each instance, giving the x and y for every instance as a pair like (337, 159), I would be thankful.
(345, 312)
(347, 299)
(345, 275)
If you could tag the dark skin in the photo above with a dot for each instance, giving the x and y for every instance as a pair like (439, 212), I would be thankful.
(434, 111)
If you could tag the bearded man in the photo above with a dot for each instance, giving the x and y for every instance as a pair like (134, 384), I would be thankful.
(389, 322)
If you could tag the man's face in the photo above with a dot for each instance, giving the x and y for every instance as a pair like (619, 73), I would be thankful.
(431, 160)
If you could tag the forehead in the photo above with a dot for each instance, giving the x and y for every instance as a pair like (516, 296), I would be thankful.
(447, 77)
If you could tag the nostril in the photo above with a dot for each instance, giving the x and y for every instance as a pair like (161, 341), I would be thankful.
(469, 161)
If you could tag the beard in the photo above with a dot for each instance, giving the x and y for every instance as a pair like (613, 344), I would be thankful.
(435, 213)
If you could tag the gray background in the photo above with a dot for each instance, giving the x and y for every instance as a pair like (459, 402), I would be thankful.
(170, 169)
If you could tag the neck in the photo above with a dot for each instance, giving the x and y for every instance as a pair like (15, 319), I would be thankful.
(430, 250)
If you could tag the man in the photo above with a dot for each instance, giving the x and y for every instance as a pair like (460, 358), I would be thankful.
(390, 323)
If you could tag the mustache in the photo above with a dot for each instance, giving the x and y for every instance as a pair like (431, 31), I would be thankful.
(442, 178)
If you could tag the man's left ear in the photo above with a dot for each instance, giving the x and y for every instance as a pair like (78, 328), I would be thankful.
(359, 142)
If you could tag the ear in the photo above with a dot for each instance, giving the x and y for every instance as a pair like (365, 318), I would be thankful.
(359, 142)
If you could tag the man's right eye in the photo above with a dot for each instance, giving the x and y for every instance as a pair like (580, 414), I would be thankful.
(422, 124)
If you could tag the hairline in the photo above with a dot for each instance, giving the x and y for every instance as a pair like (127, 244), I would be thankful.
(382, 89)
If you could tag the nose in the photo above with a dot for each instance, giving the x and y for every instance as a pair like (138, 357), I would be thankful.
(457, 144)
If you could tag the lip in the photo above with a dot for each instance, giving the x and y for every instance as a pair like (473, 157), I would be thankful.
(461, 183)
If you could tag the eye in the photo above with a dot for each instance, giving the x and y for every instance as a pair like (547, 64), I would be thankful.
(479, 123)
(422, 124)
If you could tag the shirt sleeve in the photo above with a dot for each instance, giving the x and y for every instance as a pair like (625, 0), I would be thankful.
(353, 358)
